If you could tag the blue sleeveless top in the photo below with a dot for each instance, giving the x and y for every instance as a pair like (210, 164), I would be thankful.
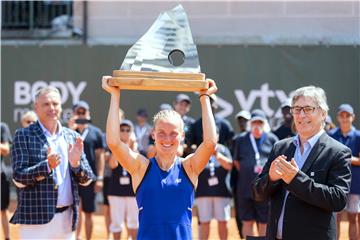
(165, 200)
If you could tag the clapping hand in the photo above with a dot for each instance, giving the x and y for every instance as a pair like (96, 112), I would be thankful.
(75, 151)
(53, 159)
(282, 169)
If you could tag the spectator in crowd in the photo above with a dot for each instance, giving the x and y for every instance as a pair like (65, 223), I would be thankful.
(213, 198)
(165, 106)
(123, 207)
(142, 131)
(94, 149)
(307, 177)
(164, 185)
(28, 118)
(6, 140)
(251, 150)
(348, 135)
(182, 105)
(226, 131)
(329, 125)
(285, 129)
(242, 119)
(48, 160)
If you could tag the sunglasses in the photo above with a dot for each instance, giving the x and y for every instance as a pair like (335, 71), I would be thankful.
(125, 130)
(29, 121)
(80, 112)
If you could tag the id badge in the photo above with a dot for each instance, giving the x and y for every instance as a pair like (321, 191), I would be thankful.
(124, 180)
(258, 169)
(213, 181)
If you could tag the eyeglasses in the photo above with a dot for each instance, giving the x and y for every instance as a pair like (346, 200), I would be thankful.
(307, 110)
(29, 121)
(124, 130)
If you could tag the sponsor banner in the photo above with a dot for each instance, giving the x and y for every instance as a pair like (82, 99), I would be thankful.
(247, 77)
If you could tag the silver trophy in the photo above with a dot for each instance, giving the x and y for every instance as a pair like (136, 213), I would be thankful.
(165, 58)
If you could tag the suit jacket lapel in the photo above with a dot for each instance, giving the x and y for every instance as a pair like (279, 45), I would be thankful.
(290, 152)
(40, 134)
(315, 151)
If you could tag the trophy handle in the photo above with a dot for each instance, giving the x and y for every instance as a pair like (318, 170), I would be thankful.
(158, 81)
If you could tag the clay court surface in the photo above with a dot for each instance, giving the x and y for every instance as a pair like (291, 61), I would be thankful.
(100, 233)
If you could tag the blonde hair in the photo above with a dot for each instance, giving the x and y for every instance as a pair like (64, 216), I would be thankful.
(29, 114)
(170, 115)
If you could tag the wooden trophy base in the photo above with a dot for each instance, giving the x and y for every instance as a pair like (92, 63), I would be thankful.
(158, 81)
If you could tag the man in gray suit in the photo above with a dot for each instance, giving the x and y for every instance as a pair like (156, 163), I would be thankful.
(307, 177)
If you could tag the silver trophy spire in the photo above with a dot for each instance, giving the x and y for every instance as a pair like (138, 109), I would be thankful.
(167, 46)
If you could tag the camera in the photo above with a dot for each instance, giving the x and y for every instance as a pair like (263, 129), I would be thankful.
(82, 121)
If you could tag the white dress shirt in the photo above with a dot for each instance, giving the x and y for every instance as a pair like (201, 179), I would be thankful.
(59, 145)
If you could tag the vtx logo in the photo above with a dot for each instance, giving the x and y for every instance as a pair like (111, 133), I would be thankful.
(264, 94)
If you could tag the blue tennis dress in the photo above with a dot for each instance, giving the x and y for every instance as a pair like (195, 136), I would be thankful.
(165, 200)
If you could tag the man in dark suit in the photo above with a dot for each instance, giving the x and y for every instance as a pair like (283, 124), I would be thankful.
(48, 162)
(307, 177)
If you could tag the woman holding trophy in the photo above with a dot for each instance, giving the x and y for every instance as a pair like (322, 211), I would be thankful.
(164, 185)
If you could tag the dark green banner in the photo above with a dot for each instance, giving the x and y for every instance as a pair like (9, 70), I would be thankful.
(248, 77)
